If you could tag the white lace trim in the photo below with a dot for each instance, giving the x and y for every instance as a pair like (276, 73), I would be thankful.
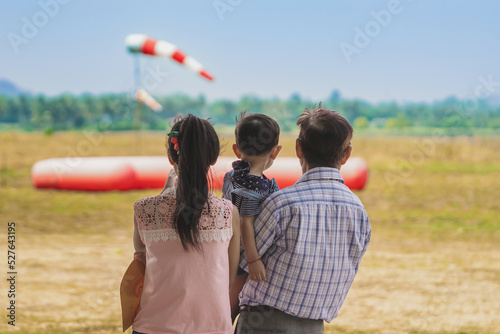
(170, 234)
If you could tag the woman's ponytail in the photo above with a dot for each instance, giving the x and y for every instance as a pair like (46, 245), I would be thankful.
(194, 151)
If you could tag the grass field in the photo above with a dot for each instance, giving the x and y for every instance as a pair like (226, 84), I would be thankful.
(433, 265)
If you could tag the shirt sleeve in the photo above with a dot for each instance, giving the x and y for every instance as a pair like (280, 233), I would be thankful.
(266, 227)
(248, 207)
(227, 186)
(368, 235)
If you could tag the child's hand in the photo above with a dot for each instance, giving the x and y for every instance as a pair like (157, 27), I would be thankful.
(257, 271)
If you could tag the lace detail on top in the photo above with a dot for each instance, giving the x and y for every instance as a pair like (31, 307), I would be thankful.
(155, 218)
(170, 234)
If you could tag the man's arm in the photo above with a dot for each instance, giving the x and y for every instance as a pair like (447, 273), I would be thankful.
(368, 234)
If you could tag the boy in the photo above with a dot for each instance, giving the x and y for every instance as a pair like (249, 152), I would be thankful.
(247, 187)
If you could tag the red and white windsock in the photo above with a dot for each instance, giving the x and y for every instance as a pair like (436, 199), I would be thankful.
(138, 43)
(142, 96)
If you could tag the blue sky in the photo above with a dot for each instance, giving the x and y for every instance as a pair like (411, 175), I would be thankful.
(425, 50)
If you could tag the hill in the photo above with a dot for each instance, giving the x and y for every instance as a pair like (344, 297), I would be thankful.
(9, 88)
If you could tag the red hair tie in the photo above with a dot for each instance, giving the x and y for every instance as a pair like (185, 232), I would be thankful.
(174, 140)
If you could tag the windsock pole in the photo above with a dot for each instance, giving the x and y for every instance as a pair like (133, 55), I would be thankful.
(137, 117)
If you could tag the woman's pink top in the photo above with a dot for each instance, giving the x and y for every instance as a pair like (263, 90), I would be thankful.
(184, 291)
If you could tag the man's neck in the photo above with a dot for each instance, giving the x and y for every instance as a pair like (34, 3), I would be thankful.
(307, 166)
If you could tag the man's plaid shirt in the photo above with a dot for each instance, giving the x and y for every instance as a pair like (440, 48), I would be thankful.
(311, 237)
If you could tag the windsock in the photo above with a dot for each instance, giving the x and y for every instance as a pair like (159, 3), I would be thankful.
(127, 173)
(138, 43)
(142, 96)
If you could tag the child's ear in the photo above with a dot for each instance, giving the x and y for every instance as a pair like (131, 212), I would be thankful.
(236, 151)
(275, 151)
(347, 154)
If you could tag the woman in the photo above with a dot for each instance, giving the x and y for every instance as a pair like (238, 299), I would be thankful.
(189, 241)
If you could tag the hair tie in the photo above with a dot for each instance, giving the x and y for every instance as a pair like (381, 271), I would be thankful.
(174, 140)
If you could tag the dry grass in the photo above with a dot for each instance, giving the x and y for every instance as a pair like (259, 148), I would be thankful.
(433, 265)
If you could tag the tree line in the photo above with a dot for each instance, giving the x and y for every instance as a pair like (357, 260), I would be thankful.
(122, 112)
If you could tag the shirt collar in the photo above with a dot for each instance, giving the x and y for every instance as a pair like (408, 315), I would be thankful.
(321, 173)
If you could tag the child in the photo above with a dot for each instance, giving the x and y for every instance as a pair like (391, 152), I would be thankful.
(189, 241)
(257, 146)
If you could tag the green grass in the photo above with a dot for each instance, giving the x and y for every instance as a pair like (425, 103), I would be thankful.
(438, 212)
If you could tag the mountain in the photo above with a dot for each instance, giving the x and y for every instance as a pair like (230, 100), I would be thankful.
(9, 88)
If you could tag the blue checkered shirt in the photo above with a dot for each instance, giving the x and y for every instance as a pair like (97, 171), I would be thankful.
(311, 237)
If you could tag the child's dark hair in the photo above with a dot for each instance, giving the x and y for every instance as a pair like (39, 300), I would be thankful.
(198, 149)
(256, 134)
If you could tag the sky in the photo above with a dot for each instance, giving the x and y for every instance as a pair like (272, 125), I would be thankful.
(407, 50)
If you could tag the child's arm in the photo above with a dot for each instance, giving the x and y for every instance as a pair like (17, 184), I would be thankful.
(140, 249)
(256, 269)
(234, 247)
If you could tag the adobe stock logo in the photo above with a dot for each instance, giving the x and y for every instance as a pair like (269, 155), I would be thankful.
(363, 37)
(221, 7)
(31, 26)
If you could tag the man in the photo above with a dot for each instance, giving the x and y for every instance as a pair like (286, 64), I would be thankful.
(310, 236)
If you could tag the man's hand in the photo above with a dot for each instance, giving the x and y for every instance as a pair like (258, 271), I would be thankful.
(257, 271)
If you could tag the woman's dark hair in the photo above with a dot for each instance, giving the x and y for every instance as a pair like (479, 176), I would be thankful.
(256, 134)
(198, 149)
(324, 136)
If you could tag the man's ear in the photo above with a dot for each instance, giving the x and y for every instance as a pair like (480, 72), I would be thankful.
(236, 151)
(274, 152)
(347, 154)
(298, 149)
